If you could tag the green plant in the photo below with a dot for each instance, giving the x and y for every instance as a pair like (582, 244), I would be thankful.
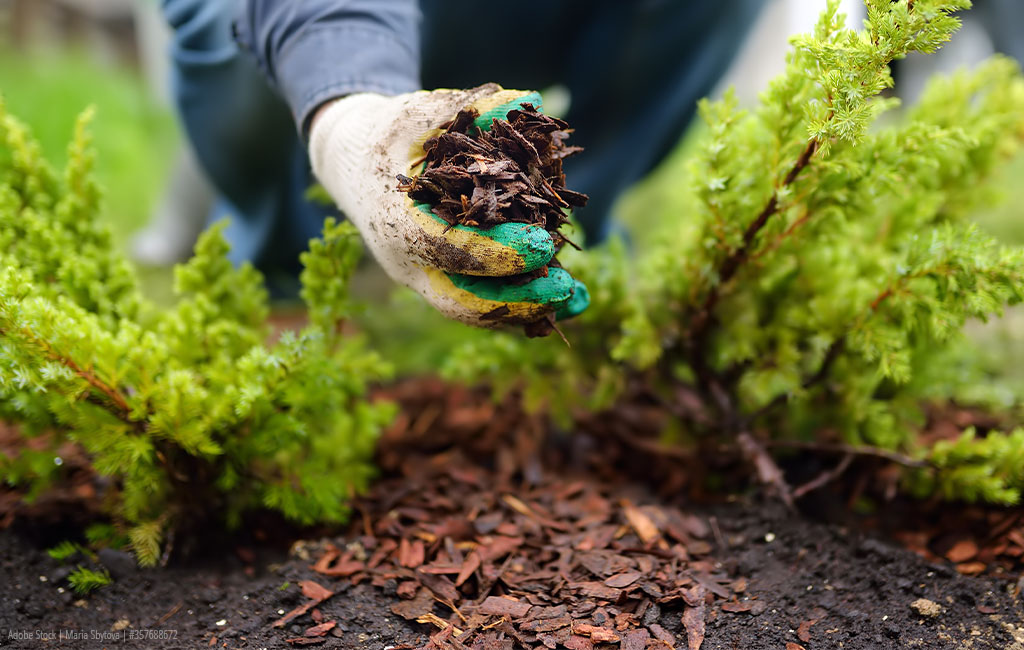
(820, 279)
(190, 410)
(64, 550)
(85, 581)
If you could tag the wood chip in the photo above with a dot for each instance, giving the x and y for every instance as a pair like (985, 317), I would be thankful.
(497, 606)
(623, 580)
(641, 523)
(971, 568)
(596, 633)
(965, 549)
(661, 634)
(803, 631)
(693, 621)
(321, 629)
(579, 643)
(315, 591)
(635, 639)
(410, 610)
(596, 590)
(312, 590)
(734, 607)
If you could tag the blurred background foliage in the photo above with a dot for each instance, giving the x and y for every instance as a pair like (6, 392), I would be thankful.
(134, 136)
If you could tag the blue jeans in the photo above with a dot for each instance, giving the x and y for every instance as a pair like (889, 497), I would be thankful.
(634, 71)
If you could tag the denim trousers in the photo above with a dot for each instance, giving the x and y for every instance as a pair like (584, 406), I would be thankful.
(634, 72)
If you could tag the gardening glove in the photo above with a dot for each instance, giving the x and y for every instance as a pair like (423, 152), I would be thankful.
(359, 144)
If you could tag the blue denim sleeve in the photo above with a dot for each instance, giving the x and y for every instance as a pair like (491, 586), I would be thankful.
(316, 50)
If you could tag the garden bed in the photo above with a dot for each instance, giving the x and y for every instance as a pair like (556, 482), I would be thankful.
(606, 553)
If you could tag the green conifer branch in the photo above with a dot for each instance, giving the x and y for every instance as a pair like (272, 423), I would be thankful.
(190, 412)
(827, 267)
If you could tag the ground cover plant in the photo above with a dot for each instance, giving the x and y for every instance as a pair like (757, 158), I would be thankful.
(189, 413)
(813, 282)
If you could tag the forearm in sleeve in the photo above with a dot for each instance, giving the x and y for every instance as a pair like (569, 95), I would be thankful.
(316, 50)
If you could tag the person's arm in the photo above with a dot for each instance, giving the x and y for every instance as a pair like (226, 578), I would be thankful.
(354, 65)
(317, 50)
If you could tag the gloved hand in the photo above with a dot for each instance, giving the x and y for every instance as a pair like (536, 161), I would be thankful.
(358, 144)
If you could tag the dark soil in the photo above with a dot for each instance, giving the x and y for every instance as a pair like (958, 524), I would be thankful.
(856, 590)
(780, 581)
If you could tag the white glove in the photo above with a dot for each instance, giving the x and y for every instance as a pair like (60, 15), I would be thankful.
(359, 144)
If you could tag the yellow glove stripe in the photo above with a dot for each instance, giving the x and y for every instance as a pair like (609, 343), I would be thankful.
(518, 312)
(487, 253)
(497, 99)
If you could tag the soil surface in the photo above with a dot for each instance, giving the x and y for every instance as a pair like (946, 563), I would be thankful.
(816, 586)
(745, 574)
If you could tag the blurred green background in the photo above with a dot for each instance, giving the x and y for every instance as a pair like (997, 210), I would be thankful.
(133, 135)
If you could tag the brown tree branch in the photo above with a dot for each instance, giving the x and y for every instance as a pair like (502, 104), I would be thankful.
(823, 479)
(841, 448)
(122, 410)
(704, 316)
(768, 471)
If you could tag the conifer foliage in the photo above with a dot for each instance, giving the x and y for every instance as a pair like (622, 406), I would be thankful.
(816, 277)
(189, 411)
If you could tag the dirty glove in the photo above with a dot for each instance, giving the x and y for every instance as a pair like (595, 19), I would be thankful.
(359, 144)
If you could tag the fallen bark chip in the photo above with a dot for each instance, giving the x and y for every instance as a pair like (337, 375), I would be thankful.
(509, 172)
(547, 624)
(962, 551)
(971, 568)
(803, 631)
(644, 526)
(321, 629)
(623, 580)
(734, 607)
(693, 621)
(312, 590)
(661, 634)
(596, 590)
(635, 639)
(315, 591)
(579, 643)
(413, 609)
(596, 633)
(497, 606)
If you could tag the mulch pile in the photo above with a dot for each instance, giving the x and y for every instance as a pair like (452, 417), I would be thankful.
(501, 554)
(510, 173)
(513, 172)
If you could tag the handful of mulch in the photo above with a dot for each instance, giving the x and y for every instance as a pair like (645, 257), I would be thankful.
(512, 173)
